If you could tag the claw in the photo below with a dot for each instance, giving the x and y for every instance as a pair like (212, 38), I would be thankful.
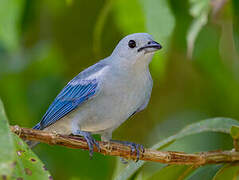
(134, 147)
(90, 141)
(142, 148)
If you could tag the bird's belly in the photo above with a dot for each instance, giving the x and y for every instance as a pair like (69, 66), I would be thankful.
(108, 111)
(100, 114)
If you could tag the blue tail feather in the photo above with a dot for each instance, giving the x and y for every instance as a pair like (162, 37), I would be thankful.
(37, 126)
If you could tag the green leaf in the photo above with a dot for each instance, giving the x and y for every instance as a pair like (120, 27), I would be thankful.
(99, 26)
(173, 172)
(160, 20)
(236, 24)
(235, 132)
(16, 158)
(10, 16)
(222, 125)
(205, 172)
(7, 154)
(199, 10)
(130, 18)
(28, 165)
(229, 171)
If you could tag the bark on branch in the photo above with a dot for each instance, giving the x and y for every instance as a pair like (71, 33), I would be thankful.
(115, 149)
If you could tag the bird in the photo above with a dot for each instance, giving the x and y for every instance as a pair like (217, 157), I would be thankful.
(103, 96)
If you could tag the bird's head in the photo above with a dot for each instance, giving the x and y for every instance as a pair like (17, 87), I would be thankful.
(136, 48)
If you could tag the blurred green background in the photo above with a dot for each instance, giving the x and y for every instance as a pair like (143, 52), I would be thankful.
(44, 44)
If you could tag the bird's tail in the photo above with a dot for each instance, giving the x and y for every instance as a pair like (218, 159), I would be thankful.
(32, 144)
(37, 126)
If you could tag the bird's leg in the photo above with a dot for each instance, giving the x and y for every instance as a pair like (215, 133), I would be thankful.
(134, 147)
(89, 139)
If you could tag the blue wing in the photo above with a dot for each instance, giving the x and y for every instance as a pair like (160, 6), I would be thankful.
(74, 94)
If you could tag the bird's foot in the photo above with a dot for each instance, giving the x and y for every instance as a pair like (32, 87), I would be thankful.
(90, 141)
(134, 148)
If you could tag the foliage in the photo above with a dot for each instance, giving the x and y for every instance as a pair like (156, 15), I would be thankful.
(10, 15)
(17, 160)
(7, 148)
(43, 44)
(221, 125)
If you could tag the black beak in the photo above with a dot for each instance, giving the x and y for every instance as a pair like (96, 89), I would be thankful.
(151, 45)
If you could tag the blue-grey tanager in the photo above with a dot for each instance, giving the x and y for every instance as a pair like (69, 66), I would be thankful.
(102, 97)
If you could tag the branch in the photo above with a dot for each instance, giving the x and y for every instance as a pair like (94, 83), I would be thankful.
(115, 149)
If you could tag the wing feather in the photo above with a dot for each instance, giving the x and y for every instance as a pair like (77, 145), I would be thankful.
(83, 87)
(69, 99)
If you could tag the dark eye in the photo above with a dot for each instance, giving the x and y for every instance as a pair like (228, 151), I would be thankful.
(132, 44)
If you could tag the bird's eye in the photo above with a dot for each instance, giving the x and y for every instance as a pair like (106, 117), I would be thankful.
(132, 44)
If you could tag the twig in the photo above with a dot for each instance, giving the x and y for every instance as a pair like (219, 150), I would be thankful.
(115, 149)
(235, 144)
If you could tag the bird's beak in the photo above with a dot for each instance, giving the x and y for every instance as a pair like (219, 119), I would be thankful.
(151, 47)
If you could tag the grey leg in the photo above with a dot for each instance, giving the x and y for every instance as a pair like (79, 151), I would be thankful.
(89, 139)
(134, 147)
